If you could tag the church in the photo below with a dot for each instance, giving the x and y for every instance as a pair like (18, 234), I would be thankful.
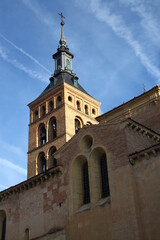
(89, 176)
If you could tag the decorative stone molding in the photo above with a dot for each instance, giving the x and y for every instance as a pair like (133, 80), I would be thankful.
(145, 153)
(143, 130)
(30, 183)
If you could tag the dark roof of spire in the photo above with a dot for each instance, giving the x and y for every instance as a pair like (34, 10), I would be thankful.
(59, 79)
(61, 76)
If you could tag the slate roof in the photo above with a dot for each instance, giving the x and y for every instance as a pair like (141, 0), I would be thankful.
(59, 79)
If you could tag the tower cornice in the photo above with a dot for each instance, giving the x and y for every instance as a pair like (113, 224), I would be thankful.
(60, 50)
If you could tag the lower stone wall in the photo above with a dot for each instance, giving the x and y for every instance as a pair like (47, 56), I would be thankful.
(57, 235)
(43, 209)
(147, 182)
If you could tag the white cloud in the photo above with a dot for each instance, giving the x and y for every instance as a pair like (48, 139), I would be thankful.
(2, 187)
(28, 71)
(12, 149)
(15, 63)
(10, 165)
(3, 54)
(116, 22)
(25, 53)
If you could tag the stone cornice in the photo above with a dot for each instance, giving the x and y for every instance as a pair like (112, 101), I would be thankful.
(47, 143)
(30, 183)
(44, 96)
(41, 119)
(145, 153)
(150, 96)
(78, 92)
(143, 130)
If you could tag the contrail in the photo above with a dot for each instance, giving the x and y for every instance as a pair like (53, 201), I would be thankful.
(20, 66)
(116, 22)
(25, 53)
(15, 167)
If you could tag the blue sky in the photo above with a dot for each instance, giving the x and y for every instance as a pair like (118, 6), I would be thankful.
(116, 45)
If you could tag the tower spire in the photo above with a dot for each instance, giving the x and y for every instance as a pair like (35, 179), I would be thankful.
(62, 40)
(63, 57)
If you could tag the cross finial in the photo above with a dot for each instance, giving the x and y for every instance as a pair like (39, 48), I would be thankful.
(62, 39)
(62, 17)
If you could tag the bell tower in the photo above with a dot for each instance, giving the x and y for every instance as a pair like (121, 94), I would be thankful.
(58, 113)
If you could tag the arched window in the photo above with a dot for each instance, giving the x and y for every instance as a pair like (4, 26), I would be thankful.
(35, 115)
(99, 174)
(69, 98)
(86, 190)
(77, 125)
(27, 234)
(42, 135)
(59, 101)
(51, 106)
(52, 128)
(2, 225)
(80, 182)
(93, 111)
(105, 191)
(43, 111)
(86, 109)
(52, 159)
(78, 105)
(41, 163)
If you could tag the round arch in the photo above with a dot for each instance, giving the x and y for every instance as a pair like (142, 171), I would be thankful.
(41, 163)
(99, 173)
(52, 131)
(52, 159)
(78, 124)
(41, 134)
(80, 182)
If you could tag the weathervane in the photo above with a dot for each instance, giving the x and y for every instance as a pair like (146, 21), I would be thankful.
(62, 17)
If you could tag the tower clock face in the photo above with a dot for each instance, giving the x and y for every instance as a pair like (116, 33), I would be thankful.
(68, 64)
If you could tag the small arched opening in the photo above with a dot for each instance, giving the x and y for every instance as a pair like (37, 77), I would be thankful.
(59, 101)
(52, 128)
(78, 105)
(35, 115)
(42, 134)
(27, 234)
(69, 98)
(43, 111)
(80, 182)
(99, 176)
(86, 109)
(51, 106)
(93, 111)
(42, 166)
(78, 124)
(52, 159)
